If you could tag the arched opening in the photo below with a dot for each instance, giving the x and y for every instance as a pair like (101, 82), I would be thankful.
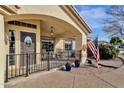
(37, 35)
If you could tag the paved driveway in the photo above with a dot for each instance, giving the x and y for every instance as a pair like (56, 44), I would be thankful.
(87, 76)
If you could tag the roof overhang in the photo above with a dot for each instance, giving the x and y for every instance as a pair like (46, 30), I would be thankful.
(8, 9)
(70, 10)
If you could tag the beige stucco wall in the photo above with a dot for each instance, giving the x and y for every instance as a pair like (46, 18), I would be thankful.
(2, 51)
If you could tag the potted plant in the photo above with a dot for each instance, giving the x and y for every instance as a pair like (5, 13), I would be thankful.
(77, 62)
(68, 66)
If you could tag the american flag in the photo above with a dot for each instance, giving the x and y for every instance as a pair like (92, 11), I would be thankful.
(94, 49)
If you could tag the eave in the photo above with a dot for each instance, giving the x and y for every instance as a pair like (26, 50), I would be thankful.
(8, 10)
(76, 17)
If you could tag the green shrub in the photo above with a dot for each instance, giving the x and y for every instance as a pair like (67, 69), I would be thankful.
(108, 52)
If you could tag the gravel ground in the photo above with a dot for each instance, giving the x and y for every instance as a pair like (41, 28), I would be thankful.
(105, 66)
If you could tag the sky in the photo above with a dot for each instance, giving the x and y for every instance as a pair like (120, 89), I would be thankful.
(94, 16)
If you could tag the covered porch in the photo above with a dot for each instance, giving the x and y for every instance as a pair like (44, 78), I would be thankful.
(38, 43)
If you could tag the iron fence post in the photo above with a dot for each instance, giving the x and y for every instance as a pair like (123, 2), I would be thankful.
(80, 55)
(6, 68)
(27, 65)
(48, 61)
(68, 55)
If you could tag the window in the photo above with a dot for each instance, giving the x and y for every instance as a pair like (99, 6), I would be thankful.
(18, 23)
(68, 45)
(11, 47)
(47, 45)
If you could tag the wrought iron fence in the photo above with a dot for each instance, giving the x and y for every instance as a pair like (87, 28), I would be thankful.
(25, 64)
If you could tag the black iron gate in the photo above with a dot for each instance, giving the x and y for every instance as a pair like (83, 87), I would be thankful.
(25, 64)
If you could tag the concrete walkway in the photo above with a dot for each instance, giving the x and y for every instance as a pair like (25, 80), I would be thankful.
(87, 76)
(78, 77)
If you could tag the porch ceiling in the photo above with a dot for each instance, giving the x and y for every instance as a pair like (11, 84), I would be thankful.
(59, 29)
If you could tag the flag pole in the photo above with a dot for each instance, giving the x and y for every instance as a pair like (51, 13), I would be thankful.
(98, 55)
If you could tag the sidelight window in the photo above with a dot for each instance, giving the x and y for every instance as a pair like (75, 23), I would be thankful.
(11, 47)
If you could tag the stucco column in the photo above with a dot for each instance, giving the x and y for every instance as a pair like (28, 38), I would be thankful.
(84, 49)
(81, 44)
(2, 51)
(38, 47)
